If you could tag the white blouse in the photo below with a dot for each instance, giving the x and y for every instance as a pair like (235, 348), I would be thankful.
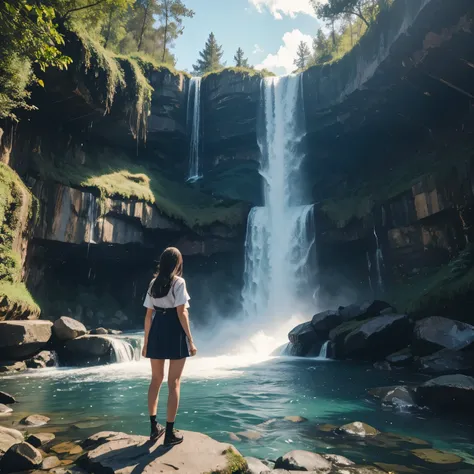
(177, 296)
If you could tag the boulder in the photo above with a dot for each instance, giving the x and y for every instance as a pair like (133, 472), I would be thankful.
(42, 360)
(20, 457)
(50, 463)
(120, 452)
(337, 460)
(39, 440)
(66, 329)
(304, 338)
(378, 337)
(447, 362)
(22, 339)
(8, 367)
(255, 466)
(359, 429)
(35, 420)
(437, 333)
(6, 398)
(399, 397)
(363, 311)
(435, 456)
(250, 435)
(9, 437)
(359, 470)
(99, 331)
(338, 335)
(4, 410)
(295, 419)
(303, 461)
(86, 350)
(448, 393)
(324, 322)
(402, 358)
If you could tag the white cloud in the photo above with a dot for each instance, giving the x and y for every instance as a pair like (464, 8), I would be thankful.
(283, 60)
(257, 49)
(278, 8)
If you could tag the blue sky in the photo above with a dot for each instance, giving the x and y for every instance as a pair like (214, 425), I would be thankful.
(267, 30)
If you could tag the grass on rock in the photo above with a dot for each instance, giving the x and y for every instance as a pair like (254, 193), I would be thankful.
(245, 71)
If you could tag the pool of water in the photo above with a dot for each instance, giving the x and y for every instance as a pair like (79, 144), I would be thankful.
(231, 394)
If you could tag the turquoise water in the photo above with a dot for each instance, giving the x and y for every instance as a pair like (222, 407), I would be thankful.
(230, 394)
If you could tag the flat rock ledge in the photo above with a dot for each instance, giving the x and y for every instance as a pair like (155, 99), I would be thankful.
(121, 453)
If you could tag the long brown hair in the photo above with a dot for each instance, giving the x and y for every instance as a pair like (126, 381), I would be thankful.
(170, 266)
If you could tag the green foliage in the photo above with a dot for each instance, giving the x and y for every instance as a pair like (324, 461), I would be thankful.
(114, 176)
(241, 60)
(249, 72)
(211, 57)
(332, 10)
(16, 293)
(303, 54)
(236, 464)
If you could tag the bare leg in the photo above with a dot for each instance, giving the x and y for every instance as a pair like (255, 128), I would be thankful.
(174, 387)
(157, 374)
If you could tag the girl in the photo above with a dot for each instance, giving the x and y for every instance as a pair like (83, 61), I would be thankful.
(166, 331)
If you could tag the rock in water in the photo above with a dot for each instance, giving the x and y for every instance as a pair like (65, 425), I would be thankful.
(401, 358)
(50, 463)
(448, 393)
(39, 440)
(42, 360)
(35, 420)
(20, 457)
(22, 339)
(87, 350)
(4, 410)
(358, 429)
(447, 362)
(66, 329)
(437, 333)
(324, 322)
(6, 398)
(198, 454)
(378, 337)
(399, 397)
(363, 311)
(435, 456)
(303, 337)
(303, 461)
(9, 437)
(255, 466)
(338, 460)
(12, 366)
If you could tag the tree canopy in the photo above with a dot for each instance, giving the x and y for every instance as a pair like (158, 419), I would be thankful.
(240, 59)
(303, 55)
(210, 57)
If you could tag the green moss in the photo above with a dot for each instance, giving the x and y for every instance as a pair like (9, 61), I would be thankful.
(115, 176)
(149, 64)
(249, 72)
(16, 294)
(236, 464)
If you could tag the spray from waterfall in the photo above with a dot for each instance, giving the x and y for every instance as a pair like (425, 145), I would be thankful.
(280, 235)
(194, 125)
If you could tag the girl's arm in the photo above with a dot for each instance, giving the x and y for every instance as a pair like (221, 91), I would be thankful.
(148, 320)
(183, 316)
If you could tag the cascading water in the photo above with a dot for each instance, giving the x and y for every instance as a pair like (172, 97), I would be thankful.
(280, 235)
(379, 262)
(323, 354)
(126, 348)
(194, 125)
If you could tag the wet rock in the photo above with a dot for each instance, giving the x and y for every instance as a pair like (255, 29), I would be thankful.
(304, 338)
(20, 457)
(327, 428)
(435, 456)
(255, 466)
(359, 470)
(67, 447)
(35, 420)
(399, 397)
(448, 393)
(6, 398)
(99, 331)
(324, 322)
(447, 362)
(295, 419)
(382, 366)
(303, 461)
(363, 311)
(9, 437)
(378, 337)
(338, 335)
(396, 468)
(66, 329)
(50, 463)
(250, 435)
(42, 360)
(123, 452)
(234, 437)
(40, 440)
(402, 358)
(338, 460)
(437, 333)
(4, 410)
(22, 339)
(8, 367)
(87, 350)
(359, 429)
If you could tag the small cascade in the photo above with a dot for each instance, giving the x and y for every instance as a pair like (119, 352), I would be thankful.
(91, 218)
(323, 353)
(369, 267)
(126, 348)
(379, 262)
(194, 125)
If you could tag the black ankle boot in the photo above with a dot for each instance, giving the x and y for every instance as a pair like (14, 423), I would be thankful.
(173, 438)
(157, 431)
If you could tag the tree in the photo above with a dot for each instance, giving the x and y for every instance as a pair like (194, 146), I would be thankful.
(240, 59)
(211, 57)
(333, 10)
(171, 14)
(302, 55)
(322, 50)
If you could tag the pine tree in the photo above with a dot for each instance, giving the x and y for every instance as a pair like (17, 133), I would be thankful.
(240, 60)
(302, 55)
(211, 57)
(322, 51)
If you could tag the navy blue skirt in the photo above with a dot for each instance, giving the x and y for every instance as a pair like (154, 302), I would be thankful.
(167, 339)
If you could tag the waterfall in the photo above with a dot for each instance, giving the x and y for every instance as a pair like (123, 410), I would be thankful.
(323, 353)
(126, 348)
(379, 262)
(91, 216)
(280, 236)
(194, 112)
